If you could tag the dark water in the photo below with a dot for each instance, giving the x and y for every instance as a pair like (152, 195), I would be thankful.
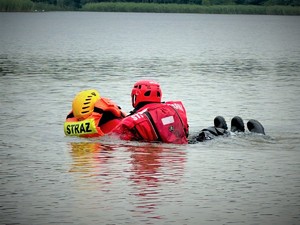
(216, 64)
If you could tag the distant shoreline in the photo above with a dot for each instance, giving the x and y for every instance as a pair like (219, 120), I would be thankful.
(155, 8)
(188, 8)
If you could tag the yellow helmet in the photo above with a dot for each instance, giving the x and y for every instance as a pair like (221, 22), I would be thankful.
(83, 103)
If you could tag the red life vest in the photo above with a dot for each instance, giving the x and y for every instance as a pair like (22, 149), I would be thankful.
(105, 117)
(164, 122)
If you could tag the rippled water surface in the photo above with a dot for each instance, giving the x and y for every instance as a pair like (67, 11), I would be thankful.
(216, 64)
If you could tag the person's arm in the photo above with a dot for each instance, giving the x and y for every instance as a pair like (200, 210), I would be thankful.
(125, 130)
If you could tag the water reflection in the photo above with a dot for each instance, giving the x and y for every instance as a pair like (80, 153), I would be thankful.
(152, 167)
(86, 156)
(7, 66)
(146, 171)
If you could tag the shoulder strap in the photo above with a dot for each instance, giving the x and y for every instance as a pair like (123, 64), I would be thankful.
(153, 124)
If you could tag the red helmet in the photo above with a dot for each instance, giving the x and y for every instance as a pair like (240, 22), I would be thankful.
(145, 91)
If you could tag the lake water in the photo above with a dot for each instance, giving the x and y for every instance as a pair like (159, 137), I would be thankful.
(216, 64)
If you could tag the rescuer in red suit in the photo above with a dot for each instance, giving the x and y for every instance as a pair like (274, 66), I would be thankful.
(152, 120)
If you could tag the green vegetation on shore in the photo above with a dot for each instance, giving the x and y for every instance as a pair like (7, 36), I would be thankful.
(16, 5)
(203, 6)
(187, 8)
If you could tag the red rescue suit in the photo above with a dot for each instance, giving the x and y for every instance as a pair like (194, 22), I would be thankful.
(156, 122)
(105, 117)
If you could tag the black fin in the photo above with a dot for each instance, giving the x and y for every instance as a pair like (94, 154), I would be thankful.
(255, 127)
(220, 122)
(237, 124)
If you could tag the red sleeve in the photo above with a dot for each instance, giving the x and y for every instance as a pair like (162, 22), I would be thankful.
(124, 129)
